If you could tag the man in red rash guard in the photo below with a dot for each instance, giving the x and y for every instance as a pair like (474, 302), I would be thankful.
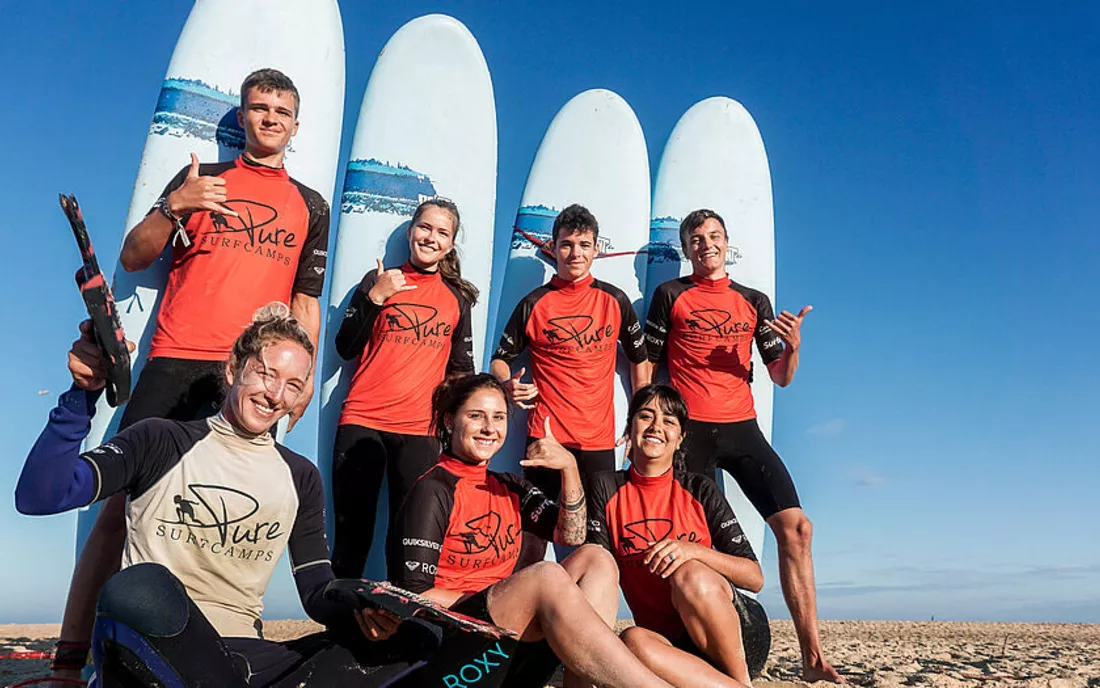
(680, 550)
(243, 233)
(705, 325)
(572, 326)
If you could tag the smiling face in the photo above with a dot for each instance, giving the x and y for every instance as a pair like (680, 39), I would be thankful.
(431, 237)
(479, 426)
(269, 119)
(706, 247)
(655, 435)
(575, 252)
(264, 388)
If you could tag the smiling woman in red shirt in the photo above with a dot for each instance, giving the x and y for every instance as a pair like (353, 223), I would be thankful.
(464, 534)
(409, 327)
(681, 553)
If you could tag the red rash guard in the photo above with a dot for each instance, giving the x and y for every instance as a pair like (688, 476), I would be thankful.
(709, 327)
(234, 265)
(465, 528)
(573, 329)
(405, 348)
(628, 513)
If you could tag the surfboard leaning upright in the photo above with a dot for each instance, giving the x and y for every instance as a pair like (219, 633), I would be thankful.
(715, 158)
(426, 128)
(593, 153)
(196, 112)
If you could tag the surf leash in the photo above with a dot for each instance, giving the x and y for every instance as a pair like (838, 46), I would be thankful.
(101, 308)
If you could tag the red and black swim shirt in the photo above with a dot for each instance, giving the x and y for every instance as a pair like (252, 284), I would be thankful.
(573, 330)
(629, 512)
(706, 328)
(405, 348)
(231, 266)
(464, 528)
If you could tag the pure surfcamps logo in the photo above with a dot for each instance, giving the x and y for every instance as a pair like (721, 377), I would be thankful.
(215, 518)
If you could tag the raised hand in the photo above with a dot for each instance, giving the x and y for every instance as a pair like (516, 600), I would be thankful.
(86, 363)
(522, 394)
(199, 193)
(389, 282)
(547, 452)
(789, 327)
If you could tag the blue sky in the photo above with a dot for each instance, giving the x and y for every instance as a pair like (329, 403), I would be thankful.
(934, 172)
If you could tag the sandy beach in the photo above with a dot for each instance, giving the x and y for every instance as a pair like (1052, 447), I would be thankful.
(869, 653)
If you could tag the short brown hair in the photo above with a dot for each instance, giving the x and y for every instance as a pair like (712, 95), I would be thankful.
(270, 80)
(271, 324)
(694, 220)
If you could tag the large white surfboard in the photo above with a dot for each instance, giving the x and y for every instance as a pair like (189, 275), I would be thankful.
(715, 159)
(196, 112)
(427, 127)
(593, 153)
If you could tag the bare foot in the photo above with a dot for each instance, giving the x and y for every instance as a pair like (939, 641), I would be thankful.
(821, 672)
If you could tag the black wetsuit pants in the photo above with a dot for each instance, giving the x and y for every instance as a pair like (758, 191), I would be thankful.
(360, 457)
(149, 632)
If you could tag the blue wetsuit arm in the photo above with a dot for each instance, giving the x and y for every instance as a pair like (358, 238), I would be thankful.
(54, 477)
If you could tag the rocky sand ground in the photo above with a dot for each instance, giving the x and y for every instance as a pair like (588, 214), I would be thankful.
(868, 653)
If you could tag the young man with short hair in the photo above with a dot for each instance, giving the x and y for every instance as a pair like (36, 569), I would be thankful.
(243, 233)
(573, 326)
(705, 324)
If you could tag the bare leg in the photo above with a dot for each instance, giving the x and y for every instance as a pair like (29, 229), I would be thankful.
(704, 600)
(793, 532)
(542, 601)
(595, 572)
(679, 668)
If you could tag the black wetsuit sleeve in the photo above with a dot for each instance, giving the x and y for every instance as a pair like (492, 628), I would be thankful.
(355, 331)
(768, 342)
(725, 532)
(538, 514)
(658, 321)
(416, 536)
(630, 330)
(599, 493)
(307, 546)
(139, 456)
(461, 360)
(310, 278)
(513, 340)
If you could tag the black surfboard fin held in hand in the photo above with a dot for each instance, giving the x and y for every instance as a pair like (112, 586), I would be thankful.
(101, 308)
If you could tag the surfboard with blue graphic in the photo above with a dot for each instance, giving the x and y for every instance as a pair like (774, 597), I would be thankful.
(593, 153)
(426, 128)
(715, 158)
(196, 111)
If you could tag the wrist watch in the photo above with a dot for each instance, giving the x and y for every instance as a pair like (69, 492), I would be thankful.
(181, 231)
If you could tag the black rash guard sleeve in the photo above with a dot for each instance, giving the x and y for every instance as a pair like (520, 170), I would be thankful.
(513, 340)
(310, 277)
(725, 532)
(630, 330)
(416, 536)
(359, 319)
(538, 514)
(601, 487)
(307, 546)
(136, 458)
(659, 320)
(461, 360)
(768, 343)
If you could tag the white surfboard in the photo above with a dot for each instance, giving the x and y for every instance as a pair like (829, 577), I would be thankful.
(593, 153)
(196, 112)
(426, 128)
(715, 159)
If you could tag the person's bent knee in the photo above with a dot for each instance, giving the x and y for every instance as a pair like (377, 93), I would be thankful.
(794, 529)
(148, 599)
(638, 642)
(595, 560)
(696, 583)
